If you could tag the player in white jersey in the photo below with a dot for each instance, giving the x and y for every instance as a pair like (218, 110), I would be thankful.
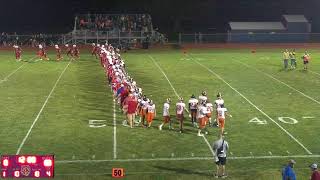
(151, 113)
(202, 117)
(143, 109)
(180, 107)
(166, 114)
(193, 103)
(222, 112)
(209, 106)
(203, 97)
(218, 103)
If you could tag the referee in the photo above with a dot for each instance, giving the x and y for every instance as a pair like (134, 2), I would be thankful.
(220, 148)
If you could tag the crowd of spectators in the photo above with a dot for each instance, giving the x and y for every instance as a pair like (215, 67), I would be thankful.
(115, 22)
(32, 40)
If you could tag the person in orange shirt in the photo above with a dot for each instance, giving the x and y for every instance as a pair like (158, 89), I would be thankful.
(151, 114)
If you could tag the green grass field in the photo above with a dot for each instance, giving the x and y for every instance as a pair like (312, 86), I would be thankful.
(47, 107)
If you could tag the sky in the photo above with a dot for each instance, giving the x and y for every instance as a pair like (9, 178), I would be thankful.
(57, 16)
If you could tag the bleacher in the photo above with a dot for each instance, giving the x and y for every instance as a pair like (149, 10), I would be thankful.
(114, 28)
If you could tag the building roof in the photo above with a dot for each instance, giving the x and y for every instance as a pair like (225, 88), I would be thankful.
(256, 26)
(295, 18)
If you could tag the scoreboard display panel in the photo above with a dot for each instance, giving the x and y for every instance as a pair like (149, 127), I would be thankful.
(27, 166)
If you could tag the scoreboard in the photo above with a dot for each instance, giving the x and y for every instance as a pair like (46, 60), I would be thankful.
(27, 166)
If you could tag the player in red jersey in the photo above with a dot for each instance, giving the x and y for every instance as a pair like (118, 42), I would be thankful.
(42, 54)
(75, 52)
(94, 50)
(18, 52)
(58, 51)
(69, 51)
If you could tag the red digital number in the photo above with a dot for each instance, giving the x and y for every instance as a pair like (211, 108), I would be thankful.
(117, 172)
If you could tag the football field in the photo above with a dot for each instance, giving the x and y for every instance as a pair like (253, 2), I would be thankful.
(66, 108)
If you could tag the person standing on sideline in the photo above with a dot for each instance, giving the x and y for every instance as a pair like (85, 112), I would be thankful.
(131, 103)
(293, 61)
(286, 56)
(288, 172)
(315, 173)
(220, 148)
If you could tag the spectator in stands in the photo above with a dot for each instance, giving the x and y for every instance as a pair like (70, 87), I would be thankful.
(315, 173)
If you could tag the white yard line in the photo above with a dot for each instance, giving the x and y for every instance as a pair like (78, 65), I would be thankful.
(183, 159)
(283, 129)
(314, 72)
(204, 138)
(6, 78)
(272, 77)
(164, 74)
(114, 131)
(43, 106)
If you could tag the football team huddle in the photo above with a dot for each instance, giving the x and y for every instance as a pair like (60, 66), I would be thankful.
(133, 102)
(72, 53)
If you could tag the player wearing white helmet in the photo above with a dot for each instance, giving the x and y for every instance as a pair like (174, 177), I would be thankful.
(222, 112)
(42, 54)
(209, 106)
(180, 108)
(69, 51)
(193, 103)
(94, 50)
(143, 109)
(166, 114)
(218, 103)
(75, 52)
(58, 52)
(151, 113)
(202, 117)
(18, 52)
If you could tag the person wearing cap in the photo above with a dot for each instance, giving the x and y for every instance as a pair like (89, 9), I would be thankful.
(315, 173)
(288, 172)
(220, 148)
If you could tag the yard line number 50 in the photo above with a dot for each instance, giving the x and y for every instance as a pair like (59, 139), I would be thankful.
(286, 120)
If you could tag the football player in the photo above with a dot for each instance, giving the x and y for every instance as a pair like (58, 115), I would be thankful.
(166, 114)
(151, 114)
(58, 52)
(193, 103)
(180, 108)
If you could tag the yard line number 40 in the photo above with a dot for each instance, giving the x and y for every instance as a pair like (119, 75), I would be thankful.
(286, 120)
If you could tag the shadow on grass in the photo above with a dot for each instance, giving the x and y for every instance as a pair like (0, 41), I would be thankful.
(182, 171)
